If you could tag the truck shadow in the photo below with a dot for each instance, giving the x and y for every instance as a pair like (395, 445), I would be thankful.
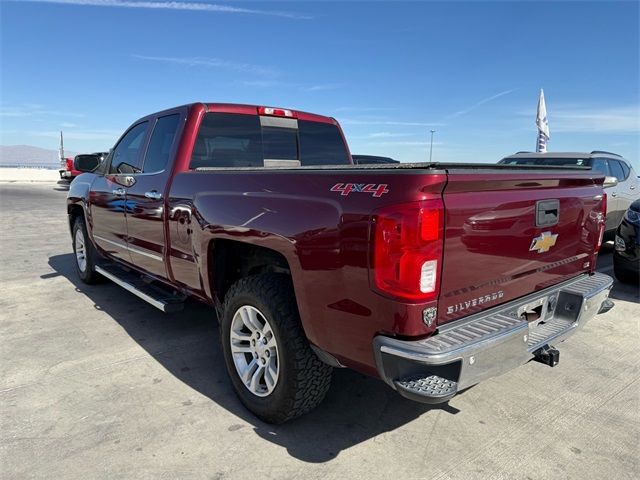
(186, 344)
(62, 186)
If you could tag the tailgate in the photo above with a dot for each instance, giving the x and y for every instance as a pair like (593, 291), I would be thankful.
(508, 234)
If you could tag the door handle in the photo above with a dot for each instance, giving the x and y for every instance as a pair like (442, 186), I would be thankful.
(632, 187)
(118, 191)
(153, 195)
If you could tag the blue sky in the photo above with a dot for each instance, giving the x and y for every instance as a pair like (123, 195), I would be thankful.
(389, 72)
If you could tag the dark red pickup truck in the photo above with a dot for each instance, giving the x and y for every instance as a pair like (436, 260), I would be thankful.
(430, 276)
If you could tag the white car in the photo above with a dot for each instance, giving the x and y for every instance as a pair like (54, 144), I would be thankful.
(620, 194)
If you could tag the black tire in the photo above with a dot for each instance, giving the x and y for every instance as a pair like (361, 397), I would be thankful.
(88, 275)
(303, 379)
(625, 276)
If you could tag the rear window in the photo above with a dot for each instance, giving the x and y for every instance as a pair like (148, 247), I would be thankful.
(227, 140)
(560, 162)
(321, 144)
(280, 143)
(238, 140)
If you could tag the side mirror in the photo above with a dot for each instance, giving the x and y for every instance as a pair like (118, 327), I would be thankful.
(610, 182)
(86, 163)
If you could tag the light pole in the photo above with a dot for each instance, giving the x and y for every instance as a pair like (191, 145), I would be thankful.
(431, 147)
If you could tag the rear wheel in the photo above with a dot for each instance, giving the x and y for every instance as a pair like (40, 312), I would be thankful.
(271, 365)
(84, 253)
(624, 275)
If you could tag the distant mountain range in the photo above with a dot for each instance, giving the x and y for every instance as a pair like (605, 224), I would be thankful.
(26, 155)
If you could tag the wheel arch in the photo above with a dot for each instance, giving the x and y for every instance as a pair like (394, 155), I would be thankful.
(75, 211)
(231, 260)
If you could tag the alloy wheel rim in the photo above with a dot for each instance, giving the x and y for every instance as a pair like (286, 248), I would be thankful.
(254, 350)
(81, 256)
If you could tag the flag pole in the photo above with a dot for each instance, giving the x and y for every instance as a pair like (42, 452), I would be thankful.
(61, 149)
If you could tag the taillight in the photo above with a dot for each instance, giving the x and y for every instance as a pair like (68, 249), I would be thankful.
(601, 225)
(69, 164)
(276, 112)
(407, 250)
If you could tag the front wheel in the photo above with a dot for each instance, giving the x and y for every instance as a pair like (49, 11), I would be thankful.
(271, 365)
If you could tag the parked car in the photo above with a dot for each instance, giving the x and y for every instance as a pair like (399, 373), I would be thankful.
(626, 256)
(620, 194)
(66, 169)
(312, 262)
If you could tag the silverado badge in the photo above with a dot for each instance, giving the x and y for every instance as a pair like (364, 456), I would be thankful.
(543, 242)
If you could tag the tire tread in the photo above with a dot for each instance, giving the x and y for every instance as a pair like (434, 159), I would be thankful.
(311, 378)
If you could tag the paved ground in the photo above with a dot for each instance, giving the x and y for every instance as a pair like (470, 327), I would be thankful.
(96, 384)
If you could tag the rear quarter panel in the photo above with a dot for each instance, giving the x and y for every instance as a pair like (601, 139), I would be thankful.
(323, 235)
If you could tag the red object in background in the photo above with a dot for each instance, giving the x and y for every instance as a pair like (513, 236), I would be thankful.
(72, 171)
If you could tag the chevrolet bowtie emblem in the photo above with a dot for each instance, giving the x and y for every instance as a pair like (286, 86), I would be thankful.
(543, 242)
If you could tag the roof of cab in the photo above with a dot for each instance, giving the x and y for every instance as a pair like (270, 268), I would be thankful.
(253, 110)
(244, 109)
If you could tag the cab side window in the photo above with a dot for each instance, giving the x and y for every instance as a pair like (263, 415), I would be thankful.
(600, 165)
(127, 156)
(626, 169)
(618, 171)
(161, 143)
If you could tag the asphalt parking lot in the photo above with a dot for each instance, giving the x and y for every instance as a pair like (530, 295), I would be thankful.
(95, 383)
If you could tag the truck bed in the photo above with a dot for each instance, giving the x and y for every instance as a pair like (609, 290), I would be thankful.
(326, 237)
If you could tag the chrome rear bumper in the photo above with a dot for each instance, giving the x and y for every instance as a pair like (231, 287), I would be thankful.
(491, 342)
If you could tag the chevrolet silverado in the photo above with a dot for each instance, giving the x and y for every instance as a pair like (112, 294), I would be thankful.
(430, 276)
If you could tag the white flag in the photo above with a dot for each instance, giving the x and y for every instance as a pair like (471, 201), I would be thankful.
(543, 125)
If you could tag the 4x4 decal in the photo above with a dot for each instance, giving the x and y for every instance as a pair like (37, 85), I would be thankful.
(346, 188)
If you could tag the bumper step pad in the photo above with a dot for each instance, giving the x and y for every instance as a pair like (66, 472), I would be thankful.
(491, 342)
(430, 389)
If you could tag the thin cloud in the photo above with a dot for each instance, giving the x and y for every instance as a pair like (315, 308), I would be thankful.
(265, 83)
(300, 86)
(212, 63)
(585, 120)
(34, 110)
(173, 5)
(589, 119)
(388, 135)
(321, 87)
(402, 143)
(352, 121)
(480, 103)
(111, 135)
(364, 109)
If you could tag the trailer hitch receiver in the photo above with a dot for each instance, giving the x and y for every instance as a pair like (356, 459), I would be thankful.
(547, 355)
